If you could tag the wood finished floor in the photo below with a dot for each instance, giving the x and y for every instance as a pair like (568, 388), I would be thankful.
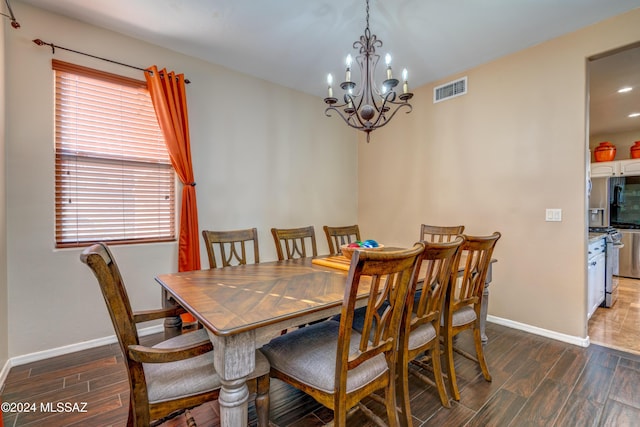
(619, 326)
(536, 382)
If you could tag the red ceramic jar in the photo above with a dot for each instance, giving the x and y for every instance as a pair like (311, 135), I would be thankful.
(605, 152)
(635, 150)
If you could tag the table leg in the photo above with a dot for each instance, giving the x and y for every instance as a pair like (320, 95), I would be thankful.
(168, 302)
(234, 359)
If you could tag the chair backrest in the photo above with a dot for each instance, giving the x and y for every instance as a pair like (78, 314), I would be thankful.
(99, 258)
(294, 241)
(475, 258)
(390, 274)
(231, 246)
(436, 233)
(436, 270)
(338, 236)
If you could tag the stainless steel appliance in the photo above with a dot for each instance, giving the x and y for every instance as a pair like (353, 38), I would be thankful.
(624, 213)
(599, 202)
(630, 255)
(613, 264)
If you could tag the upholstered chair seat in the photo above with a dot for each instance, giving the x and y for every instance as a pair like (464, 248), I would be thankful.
(463, 316)
(183, 378)
(309, 356)
(420, 335)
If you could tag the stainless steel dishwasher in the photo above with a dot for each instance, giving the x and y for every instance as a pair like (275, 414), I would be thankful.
(630, 254)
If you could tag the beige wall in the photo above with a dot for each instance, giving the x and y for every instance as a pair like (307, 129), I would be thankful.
(4, 338)
(264, 156)
(495, 159)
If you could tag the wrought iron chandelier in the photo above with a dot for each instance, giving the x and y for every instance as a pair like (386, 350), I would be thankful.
(368, 107)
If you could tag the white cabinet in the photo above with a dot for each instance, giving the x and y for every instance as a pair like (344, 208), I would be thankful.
(595, 276)
(630, 167)
(605, 169)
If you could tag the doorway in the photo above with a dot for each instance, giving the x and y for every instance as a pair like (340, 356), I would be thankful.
(614, 96)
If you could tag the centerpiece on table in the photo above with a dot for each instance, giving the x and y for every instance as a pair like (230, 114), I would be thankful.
(367, 245)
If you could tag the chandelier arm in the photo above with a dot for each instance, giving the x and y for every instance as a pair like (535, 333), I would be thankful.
(393, 113)
(342, 116)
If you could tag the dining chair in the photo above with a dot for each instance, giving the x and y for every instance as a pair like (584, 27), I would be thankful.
(174, 375)
(420, 336)
(294, 241)
(339, 366)
(338, 236)
(464, 301)
(438, 233)
(231, 246)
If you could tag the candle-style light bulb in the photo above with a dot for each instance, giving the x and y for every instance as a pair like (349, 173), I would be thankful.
(387, 60)
(405, 85)
(329, 83)
(348, 76)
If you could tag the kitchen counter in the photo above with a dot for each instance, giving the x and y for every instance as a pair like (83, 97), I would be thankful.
(594, 237)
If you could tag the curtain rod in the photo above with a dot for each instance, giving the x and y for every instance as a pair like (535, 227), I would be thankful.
(11, 16)
(53, 51)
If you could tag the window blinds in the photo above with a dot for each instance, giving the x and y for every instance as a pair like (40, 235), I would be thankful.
(114, 180)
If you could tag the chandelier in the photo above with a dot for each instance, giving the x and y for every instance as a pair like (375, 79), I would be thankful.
(368, 107)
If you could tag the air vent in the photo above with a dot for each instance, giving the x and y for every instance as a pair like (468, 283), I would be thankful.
(450, 90)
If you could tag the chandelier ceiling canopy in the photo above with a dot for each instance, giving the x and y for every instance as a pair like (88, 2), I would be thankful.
(367, 107)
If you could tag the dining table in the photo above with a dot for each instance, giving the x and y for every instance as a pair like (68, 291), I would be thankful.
(244, 307)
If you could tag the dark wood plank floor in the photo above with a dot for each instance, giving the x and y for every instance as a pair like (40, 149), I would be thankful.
(536, 382)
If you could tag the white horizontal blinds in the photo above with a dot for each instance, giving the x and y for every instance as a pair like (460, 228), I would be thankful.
(114, 180)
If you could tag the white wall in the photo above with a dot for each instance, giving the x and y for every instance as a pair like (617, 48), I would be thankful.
(264, 156)
(495, 159)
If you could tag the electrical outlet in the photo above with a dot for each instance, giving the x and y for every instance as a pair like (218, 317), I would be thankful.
(553, 215)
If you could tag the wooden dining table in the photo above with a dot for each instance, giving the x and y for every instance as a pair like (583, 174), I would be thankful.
(246, 306)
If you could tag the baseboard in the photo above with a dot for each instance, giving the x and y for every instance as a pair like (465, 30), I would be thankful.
(582, 342)
(3, 374)
(71, 348)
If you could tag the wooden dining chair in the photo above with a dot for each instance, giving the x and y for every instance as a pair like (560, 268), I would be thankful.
(464, 301)
(174, 375)
(437, 233)
(231, 246)
(420, 336)
(339, 366)
(291, 243)
(338, 236)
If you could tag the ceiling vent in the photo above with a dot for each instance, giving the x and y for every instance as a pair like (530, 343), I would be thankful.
(450, 90)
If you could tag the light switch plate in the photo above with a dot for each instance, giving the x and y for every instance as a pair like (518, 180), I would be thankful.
(553, 215)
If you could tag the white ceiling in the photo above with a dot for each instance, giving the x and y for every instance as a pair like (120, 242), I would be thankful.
(609, 110)
(295, 43)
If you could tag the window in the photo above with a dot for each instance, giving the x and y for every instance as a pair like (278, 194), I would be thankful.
(114, 179)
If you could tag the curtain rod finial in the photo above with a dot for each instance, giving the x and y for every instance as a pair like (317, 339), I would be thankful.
(41, 43)
(15, 24)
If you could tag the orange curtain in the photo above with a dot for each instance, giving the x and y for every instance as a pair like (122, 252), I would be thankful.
(170, 102)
